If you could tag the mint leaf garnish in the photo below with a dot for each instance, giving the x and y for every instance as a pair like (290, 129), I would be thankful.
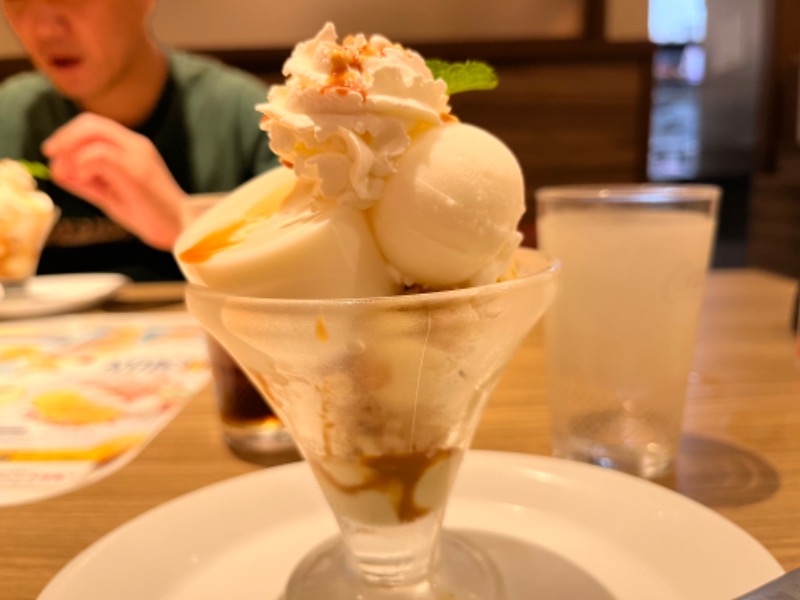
(463, 76)
(36, 169)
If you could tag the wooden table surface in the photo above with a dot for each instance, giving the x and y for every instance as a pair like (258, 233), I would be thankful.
(740, 454)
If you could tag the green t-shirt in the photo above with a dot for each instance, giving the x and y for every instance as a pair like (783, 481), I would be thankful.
(205, 126)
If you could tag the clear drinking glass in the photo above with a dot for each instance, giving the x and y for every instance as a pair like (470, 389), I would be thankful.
(382, 396)
(620, 337)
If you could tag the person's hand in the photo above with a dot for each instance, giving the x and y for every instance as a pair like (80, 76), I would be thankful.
(120, 172)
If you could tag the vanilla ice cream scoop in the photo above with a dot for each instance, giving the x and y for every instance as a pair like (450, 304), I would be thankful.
(448, 216)
(26, 217)
(270, 238)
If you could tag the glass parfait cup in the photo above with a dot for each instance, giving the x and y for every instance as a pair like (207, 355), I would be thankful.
(382, 396)
(22, 239)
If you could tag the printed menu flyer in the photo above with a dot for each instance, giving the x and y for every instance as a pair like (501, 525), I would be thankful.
(82, 395)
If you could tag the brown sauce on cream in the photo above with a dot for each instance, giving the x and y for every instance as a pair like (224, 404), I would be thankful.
(389, 472)
(215, 242)
(346, 68)
(321, 330)
(227, 236)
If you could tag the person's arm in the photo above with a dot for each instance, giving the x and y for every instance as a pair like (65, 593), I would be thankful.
(121, 172)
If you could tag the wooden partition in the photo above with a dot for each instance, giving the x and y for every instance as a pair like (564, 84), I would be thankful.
(774, 224)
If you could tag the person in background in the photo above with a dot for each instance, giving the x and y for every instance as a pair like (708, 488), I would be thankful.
(128, 129)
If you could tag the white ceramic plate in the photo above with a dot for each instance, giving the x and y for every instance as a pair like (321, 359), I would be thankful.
(559, 529)
(55, 294)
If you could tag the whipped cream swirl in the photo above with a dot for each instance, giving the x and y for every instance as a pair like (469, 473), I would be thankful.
(26, 216)
(18, 190)
(348, 111)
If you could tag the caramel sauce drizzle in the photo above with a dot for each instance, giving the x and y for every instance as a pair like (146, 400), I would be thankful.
(214, 242)
(327, 423)
(228, 235)
(396, 471)
(320, 330)
(346, 68)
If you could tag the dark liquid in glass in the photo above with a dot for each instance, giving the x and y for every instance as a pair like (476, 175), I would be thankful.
(240, 402)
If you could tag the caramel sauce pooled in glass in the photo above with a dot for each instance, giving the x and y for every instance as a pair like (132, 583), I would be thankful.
(393, 471)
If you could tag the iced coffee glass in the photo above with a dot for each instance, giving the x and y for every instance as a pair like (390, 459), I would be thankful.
(382, 396)
(620, 337)
(250, 428)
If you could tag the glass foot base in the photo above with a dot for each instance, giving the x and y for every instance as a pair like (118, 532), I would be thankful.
(462, 572)
(648, 465)
(639, 444)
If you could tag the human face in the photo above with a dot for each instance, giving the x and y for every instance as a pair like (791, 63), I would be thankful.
(85, 47)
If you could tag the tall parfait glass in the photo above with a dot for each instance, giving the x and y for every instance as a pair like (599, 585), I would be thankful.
(382, 396)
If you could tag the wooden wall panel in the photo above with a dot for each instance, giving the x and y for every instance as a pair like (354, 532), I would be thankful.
(567, 122)
(774, 229)
(774, 232)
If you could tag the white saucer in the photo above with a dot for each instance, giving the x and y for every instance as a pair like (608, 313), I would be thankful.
(55, 294)
(562, 529)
